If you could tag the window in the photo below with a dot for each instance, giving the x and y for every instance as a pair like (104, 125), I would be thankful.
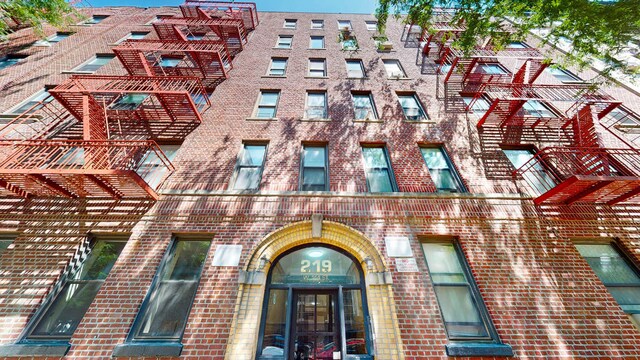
(617, 273)
(344, 25)
(95, 19)
(517, 45)
(363, 106)
(491, 69)
(394, 69)
(355, 69)
(168, 61)
(316, 42)
(158, 18)
(623, 117)
(153, 169)
(479, 107)
(33, 103)
(59, 36)
(290, 23)
(371, 25)
(316, 105)
(65, 307)
(128, 102)
(461, 307)
(164, 312)
(5, 242)
(248, 171)
(377, 169)
(10, 59)
(195, 37)
(284, 41)
(563, 75)
(314, 174)
(441, 169)
(317, 67)
(135, 35)
(278, 67)
(267, 104)
(94, 63)
(317, 24)
(537, 175)
(350, 43)
(537, 109)
(411, 107)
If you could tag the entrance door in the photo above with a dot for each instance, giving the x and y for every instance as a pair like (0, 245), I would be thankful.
(315, 334)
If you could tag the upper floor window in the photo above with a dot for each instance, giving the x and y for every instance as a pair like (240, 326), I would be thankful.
(32, 103)
(5, 242)
(131, 101)
(441, 169)
(536, 175)
(267, 104)
(65, 307)
(517, 45)
(93, 64)
(355, 68)
(316, 107)
(95, 19)
(248, 172)
(317, 67)
(344, 25)
(158, 18)
(377, 169)
(624, 117)
(394, 69)
(617, 274)
(316, 42)
(491, 69)
(284, 41)
(480, 105)
(314, 174)
(371, 25)
(363, 106)
(412, 107)
(10, 60)
(134, 35)
(278, 67)
(153, 168)
(57, 37)
(290, 23)
(317, 24)
(538, 109)
(563, 75)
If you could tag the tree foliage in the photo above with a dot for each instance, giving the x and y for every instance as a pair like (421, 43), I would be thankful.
(35, 13)
(596, 29)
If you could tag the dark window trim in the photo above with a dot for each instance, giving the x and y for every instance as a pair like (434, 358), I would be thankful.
(326, 163)
(371, 100)
(618, 246)
(236, 169)
(268, 91)
(418, 101)
(361, 63)
(392, 175)
(452, 167)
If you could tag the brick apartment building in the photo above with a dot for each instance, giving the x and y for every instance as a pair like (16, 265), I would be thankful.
(209, 182)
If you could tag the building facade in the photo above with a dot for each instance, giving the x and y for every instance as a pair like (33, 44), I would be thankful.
(212, 182)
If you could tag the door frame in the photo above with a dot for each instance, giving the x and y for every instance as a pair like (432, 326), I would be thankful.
(338, 315)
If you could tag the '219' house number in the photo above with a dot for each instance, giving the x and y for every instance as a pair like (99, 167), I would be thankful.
(316, 266)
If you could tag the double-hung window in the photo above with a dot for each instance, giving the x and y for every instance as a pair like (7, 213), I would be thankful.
(480, 105)
(314, 174)
(316, 42)
(129, 102)
(284, 41)
(249, 167)
(441, 169)
(491, 69)
(363, 106)
(617, 273)
(267, 104)
(563, 75)
(394, 69)
(623, 118)
(355, 69)
(278, 67)
(538, 109)
(316, 107)
(371, 25)
(163, 314)
(536, 174)
(65, 307)
(517, 45)
(57, 37)
(411, 107)
(153, 168)
(10, 60)
(377, 169)
(344, 25)
(290, 24)
(92, 65)
(317, 24)
(317, 67)
(33, 103)
(95, 19)
(134, 35)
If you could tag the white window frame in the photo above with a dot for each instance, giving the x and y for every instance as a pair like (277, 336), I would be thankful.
(280, 37)
(317, 61)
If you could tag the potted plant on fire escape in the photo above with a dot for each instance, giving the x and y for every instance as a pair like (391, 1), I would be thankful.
(347, 39)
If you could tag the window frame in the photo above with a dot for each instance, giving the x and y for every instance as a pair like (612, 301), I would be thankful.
(368, 24)
(326, 104)
(13, 110)
(497, 64)
(92, 21)
(317, 60)
(155, 283)
(389, 75)
(325, 168)
(573, 78)
(392, 176)
(349, 27)
(78, 68)
(369, 94)
(321, 37)
(317, 21)
(288, 22)
(483, 311)
(48, 41)
(17, 59)
(280, 37)
(258, 104)
(461, 188)
(130, 36)
(7, 237)
(362, 69)
(284, 70)
(421, 108)
(238, 166)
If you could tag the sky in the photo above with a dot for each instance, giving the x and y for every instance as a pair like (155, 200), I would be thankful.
(332, 6)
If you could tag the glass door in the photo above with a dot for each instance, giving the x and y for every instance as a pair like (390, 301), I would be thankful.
(316, 330)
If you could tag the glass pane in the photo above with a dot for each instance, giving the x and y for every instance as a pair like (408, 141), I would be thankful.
(461, 315)
(185, 261)
(444, 264)
(170, 62)
(315, 265)
(393, 69)
(326, 345)
(316, 65)
(4, 244)
(536, 108)
(379, 180)
(434, 158)
(100, 261)
(252, 155)
(608, 264)
(269, 98)
(304, 347)
(167, 310)
(374, 157)
(65, 313)
(518, 157)
(129, 102)
(444, 180)
(275, 324)
(314, 156)
(317, 42)
(266, 112)
(354, 322)
(313, 177)
(248, 178)
(627, 296)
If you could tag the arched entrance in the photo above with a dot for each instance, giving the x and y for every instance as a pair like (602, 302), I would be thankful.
(315, 307)
(382, 334)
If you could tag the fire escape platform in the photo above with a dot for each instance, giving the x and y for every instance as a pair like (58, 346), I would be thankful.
(229, 30)
(247, 11)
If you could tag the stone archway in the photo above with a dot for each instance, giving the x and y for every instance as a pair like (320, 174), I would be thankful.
(243, 337)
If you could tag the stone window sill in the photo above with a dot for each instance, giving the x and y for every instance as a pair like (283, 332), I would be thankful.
(478, 349)
(368, 121)
(275, 76)
(45, 349)
(139, 349)
(321, 120)
(261, 119)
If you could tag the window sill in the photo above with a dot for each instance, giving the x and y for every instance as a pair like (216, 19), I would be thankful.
(358, 78)
(48, 349)
(418, 122)
(386, 51)
(278, 48)
(368, 121)
(77, 72)
(316, 48)
(478, 349)
(399, 78)
(274, 76)
(138, 349)
(261, 119)
(310, 120)
(316, 77)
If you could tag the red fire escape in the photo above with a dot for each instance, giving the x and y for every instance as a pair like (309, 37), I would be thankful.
(245, 11)
(95, 135)
(229, 30)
